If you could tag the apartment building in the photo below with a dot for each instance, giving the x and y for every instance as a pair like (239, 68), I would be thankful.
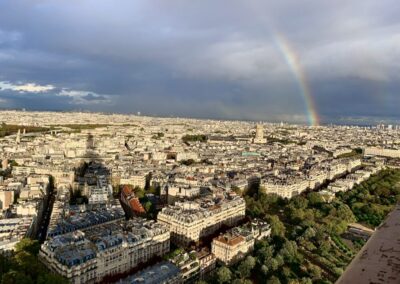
(14, 230)
(135, 180)
(65, 219)
(285, 187)
(6, 199)
(175, 192)
(383, 152)
(191, 220)
(87, 256)
(232, 246)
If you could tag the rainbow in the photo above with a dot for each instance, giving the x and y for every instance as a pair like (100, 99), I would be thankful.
(293, 62)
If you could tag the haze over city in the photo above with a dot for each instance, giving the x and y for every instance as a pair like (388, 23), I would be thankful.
(306, 61)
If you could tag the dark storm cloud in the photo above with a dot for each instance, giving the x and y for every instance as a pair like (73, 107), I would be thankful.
(202, 58)
(93, 97)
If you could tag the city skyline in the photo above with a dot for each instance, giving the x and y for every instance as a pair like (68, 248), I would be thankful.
(90, 197)
(217, 142)
(308, 62)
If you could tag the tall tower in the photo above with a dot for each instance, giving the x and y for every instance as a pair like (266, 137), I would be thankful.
(18, 139)
(259, 137)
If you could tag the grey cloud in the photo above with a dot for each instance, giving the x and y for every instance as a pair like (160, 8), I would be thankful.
(204, 58)
(92, 97)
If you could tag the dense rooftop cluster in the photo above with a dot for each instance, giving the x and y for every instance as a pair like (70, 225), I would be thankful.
(74, 181)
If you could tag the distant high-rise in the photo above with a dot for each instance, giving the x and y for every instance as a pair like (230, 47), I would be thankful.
(18, 139)
(259, 137)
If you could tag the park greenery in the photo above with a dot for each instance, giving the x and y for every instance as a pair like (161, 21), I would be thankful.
(355, 153)
(307, 243)
(285, 141)
(187, 162)
(23, 267)
(194, 138)
(9, 129)
(75, 128)
(373, 199)
(158, 135)
(82, 126)
(6, 172)
(190, 162)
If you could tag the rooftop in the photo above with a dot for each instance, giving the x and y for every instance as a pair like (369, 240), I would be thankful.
(80, 246)
(159, 273)
(191, 211)
(378, 261)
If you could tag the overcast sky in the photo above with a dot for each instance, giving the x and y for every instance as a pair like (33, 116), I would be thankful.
(201, 58)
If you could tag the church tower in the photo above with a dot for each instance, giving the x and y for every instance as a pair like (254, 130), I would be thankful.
(259, 137)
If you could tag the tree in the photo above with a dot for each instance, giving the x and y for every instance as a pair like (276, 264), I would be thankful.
(273, 280)
(16, 277)
(315, 199)
(147, 206)
(25, 261)
(194, 138)
(246, 266)
(24, 267)
(309, 233)
(188, 162)
(344, 212)
(315, 272)
(253, 208)
(295, 215)
(254, 189)
(270, 266)
(305, 280)
(299, 202)
(236, 189)
(265, 253)
(139, 192)
(13, 163)
(242, 281)
(287, 273)
(289, 252)
(277, 227)
(335, 226)
(224, 275)
(5, 264)
(324, 247)
(50, 278)
(28, 245)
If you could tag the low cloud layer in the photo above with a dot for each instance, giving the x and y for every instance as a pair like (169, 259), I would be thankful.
(25, 88)
(219, 59)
